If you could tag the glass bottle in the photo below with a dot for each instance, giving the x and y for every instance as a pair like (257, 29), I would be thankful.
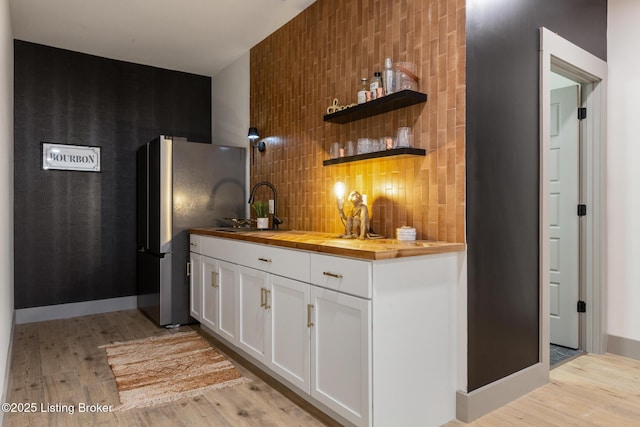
(374, 84)
(363, 88)
(388, 80)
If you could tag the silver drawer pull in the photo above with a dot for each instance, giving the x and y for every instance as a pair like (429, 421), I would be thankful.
(264, 259)
(194, 244)
(337, 276)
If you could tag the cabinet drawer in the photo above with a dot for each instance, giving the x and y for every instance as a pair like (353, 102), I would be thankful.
(342, 274)
(195, 243)
(283, 262)
(223, 249)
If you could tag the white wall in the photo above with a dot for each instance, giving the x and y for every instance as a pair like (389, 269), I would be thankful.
(623, 173)
(230, 108)
(6, 190)
(230, 104)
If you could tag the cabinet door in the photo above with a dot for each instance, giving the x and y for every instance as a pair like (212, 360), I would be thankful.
(253, 313)
(290, 330)
(195, 285)
(340, 354)
(227, 297)
(210, 291)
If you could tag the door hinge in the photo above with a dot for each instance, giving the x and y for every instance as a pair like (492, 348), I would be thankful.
(582, 210)
(582, 307)
(582, 113)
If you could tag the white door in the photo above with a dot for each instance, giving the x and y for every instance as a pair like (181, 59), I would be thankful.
(227, 297)
(195, 284)
(210, 286)
(564, 177)
(290, 330)
(340, 350)
(253, 313)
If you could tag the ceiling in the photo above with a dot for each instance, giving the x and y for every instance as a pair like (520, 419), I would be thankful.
(195, 36)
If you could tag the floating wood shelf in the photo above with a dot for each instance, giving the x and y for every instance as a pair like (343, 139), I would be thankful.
(395, 101)
(376, 154)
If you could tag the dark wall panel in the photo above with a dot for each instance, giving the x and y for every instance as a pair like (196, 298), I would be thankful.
(75, 231)
(503, 171)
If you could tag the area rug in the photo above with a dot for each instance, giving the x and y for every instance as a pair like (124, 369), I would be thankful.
(157, 370)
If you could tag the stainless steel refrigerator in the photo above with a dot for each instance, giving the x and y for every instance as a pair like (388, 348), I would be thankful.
(180, 185)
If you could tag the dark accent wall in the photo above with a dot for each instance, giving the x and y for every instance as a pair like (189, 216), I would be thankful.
(75, 231)
(503, 172)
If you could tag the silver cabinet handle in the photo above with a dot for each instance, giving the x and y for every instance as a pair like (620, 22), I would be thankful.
(194, 244)
(264, 259)
(264, 298)
(214, 279)
(188, 269)
(267, 292)
(337, 276)
(309, 322)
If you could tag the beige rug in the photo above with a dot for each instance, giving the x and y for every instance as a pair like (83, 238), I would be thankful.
(162, 369)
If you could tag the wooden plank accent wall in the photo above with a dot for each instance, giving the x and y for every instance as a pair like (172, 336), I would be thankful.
(320, 55)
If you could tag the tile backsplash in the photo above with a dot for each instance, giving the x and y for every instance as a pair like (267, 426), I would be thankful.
(320, 55)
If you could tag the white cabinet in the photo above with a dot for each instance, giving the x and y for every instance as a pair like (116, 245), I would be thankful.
(274, 319)
(194, 269)
(291, 323)
(253, 313)
(213, 284)
(227, 300)
(341, 353)
(210, 291)
(372, 342)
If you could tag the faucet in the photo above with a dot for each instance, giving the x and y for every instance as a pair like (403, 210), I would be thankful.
(276, 221)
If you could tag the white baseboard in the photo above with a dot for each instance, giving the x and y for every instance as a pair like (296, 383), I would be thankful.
(473, 405)
(7, 370)
(74, 309)
(623, 347)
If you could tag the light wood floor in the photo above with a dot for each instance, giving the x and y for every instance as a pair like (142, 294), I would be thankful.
(591, 390)
(59, 362)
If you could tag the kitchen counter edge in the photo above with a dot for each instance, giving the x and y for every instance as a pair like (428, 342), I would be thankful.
(328, 243)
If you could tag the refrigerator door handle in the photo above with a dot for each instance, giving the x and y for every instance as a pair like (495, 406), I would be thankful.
(166, 190)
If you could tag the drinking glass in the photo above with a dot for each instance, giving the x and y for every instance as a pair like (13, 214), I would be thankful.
(349, 149)
(404, 137)
(362, 145)
(334, 151)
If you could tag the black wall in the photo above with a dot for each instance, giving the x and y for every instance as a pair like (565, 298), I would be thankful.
(503, 171)
(75, 231)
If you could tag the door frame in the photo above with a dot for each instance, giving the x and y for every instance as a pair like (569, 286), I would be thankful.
(563, 57)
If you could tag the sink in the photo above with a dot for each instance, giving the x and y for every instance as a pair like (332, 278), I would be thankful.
(245, 229)
(404, 243)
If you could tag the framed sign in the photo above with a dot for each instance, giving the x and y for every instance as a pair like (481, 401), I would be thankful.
(70, 157)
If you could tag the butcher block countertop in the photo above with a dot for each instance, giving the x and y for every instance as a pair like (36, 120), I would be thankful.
(327, 243)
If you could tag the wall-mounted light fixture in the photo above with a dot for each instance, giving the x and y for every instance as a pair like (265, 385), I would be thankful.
(253, 133)
(253, 136)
